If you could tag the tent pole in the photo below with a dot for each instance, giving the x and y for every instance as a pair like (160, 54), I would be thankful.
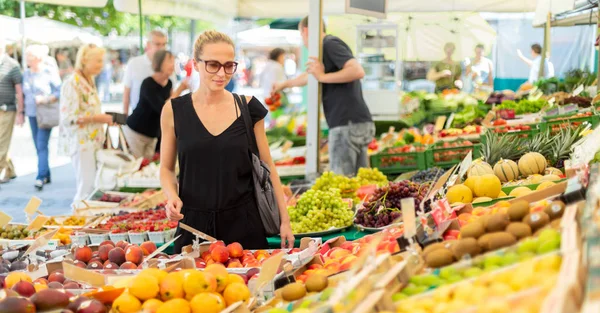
(23, 39)
(546, 46)
(315, 29)
(141, 18)
(598, 58)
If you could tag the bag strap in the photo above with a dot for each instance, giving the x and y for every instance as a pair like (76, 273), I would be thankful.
(245, 112)
(107, 141)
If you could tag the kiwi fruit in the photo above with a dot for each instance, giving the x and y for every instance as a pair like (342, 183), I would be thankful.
(500, 240)
(473, 230)
(483, 242)
(432, 247)
(439, 258)
(484, 220)
(465, 246)
(316, 283)
(293, 291)
(555, 209)
(518, 210)
(519, 230)
(536, 220)
(556, 223)
(497, 222)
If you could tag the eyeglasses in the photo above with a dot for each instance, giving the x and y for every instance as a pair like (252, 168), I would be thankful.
(214, 67)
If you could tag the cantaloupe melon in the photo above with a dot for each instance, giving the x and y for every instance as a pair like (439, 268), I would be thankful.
(479, 168)
(553, 171)
(482, 199)
(459, 193)
(550, 177)
(520, 191)
(545, 185)
(506, 170)
(532, 163)
(534, 179)
(488, 185)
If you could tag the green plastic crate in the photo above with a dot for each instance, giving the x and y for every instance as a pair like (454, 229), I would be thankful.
(521, 133)
(438, 156)
(594, 120)
(405, 162)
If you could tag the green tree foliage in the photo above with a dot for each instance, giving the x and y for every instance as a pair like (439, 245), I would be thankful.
(105, 20)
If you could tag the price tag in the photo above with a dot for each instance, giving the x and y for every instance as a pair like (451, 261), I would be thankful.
(487, 121)
(551, 101)
(33, 205)
(569, 108)
(4, 219)
(161, 249)
(450, 120)
(578, 90)
(197, 232)
(466, 164)
(439, 123)
(409, 217)
(41, 241)
(268, 271)
(38, 222)
(82, 275)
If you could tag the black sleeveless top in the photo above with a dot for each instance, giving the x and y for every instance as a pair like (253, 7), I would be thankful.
(215, 177)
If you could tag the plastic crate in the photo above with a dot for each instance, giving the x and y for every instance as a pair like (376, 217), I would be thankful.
(521, 133)
(438, 156)
(398, 163)
(574, 121)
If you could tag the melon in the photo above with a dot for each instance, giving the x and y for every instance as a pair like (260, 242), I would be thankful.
(488, 185)
(520, 191)
(482, 199)
(534, 179)
(502, 194)
(553, 171)
(459, 193)
(479, 168)
(471, 182)
(532, 163)
(506, 170)
(545, 185)
(551, 177)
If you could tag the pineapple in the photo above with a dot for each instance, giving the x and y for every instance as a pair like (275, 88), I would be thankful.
(497, 147)
(540, 143)
(562, 144)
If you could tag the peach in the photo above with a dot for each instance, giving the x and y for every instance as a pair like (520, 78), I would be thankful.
(128, 266)
(96, 260)
(235, 250)
(148, 247)
(96, 265)
(295, 250)
(41, 281)
(103, 252)
(24, 288)
(393, 247)
(200, 263)
(209, 262)
(110, 266)
(347, 246)
(220, 254)
(72, 285)
(335, 266)
(116, 255)
(83, 254)
(122, 244)
(134, 254)
(274, 252)
(56, 276)
(260, 252)
(235, 264)
(107, 242)
(205, 256)
(252, 264)
(338, 253)
(218, 243)
(302, 278)
(55, 285)
(79, 264)
(315, 266)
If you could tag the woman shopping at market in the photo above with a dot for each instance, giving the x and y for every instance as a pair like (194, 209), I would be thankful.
(446, 73)
(207, 132)
(81, 119)
(481, 70)
(143, 125)
(41, 88)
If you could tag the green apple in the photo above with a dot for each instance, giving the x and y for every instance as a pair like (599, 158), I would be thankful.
(448, 271)
(510, 258)
(473, 272)
(528, 245)
(548, 246)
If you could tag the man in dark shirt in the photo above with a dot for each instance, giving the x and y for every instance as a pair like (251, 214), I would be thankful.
(11, 109)
(350, 124)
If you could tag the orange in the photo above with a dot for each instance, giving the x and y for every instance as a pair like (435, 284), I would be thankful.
(154, 272)
(144, 287)
(220, 273)
(235, 278)
(197, 282)
(235, 292)
(126, 303)
(39, 287)
(151, 305)
(174, 306)
(14, 278)
(172, 287)
(208, 302)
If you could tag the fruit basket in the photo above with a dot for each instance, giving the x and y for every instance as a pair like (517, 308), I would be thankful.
(555, 123)
(447, 154)
(399, 160)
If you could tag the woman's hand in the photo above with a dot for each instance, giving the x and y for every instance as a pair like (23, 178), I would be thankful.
(287, 237)
(173, 209)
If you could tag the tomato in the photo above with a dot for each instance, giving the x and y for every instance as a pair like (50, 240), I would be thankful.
(269, 101)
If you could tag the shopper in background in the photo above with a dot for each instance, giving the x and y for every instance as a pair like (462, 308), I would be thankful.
(65, 67)
(140, 68)
(41, 86)
(350, 124)
(81, 119)
(446, 73)
(11, 109)
(143, 125)
(273, 71)
(207, 133)
(481, 69)
(535, 64)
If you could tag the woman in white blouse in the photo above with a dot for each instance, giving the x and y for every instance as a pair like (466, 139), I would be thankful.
(81, 119)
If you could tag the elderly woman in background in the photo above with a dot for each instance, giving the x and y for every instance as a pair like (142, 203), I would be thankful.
(41, 86)
(447, 72)
(81, 119)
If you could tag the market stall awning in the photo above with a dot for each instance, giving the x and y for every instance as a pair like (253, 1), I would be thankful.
(552, 7)
(48, 32)
(218, 12)
(267, 37)
(75, 3)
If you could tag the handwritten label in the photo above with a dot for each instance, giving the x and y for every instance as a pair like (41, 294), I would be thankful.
(41, 242)
(466, 164)
(4, 219)
(439, 123)
(409, 217)
(578, 90)
(38, 222)
(268, 270)
(33, 205)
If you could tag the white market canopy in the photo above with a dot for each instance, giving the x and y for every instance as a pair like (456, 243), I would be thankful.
(219, 12)
(76, 3)
(267, 37)
(48, 32)
(552, 7)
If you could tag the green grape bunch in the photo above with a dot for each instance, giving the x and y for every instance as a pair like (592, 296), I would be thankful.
(347, 186)
(320, 210)
(371, 176)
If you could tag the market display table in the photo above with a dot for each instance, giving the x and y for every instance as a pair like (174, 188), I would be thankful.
(350, 234)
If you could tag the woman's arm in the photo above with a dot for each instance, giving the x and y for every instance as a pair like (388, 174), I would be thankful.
(491, 75)
(287, 238)
(434, 75)
(168, 151)
(185, 84)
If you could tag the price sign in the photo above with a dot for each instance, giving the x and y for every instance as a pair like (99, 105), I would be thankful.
(38, 222)
(466, 164)
(578, 90)
(409, 217)
(33, 205)
(4, 219)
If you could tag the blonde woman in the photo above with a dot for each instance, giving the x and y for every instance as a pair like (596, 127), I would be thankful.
(81, 120)
(206, 131)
